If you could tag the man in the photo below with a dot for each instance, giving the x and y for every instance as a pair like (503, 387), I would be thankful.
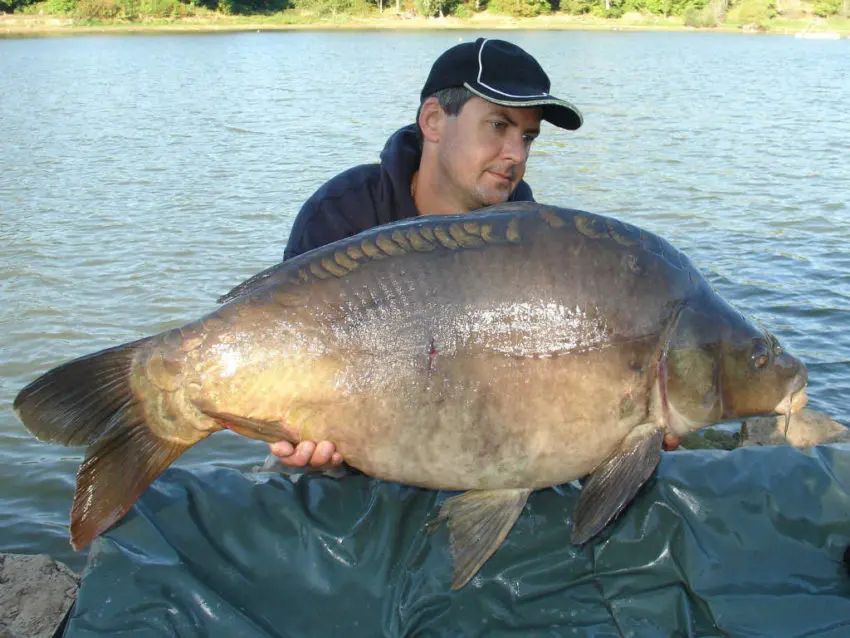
(480, 111)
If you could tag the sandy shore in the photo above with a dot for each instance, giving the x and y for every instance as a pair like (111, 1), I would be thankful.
(40, 25)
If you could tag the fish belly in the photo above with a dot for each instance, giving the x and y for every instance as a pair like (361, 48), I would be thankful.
(489, 422)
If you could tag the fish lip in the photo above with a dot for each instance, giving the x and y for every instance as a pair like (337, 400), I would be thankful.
(793, 402)
(800, 381)
(797, 397)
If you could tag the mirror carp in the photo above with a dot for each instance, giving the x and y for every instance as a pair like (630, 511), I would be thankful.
(497, 352)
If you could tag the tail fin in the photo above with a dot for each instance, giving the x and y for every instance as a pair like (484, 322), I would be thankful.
(90, 401)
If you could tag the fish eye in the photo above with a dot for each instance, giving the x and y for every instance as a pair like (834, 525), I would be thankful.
(760, 356)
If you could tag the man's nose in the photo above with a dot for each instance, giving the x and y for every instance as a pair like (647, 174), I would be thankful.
(515, 149)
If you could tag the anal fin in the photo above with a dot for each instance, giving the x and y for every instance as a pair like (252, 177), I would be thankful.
(478, 521)
(616, 481)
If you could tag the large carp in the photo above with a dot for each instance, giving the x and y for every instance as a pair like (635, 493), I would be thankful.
(501, 351)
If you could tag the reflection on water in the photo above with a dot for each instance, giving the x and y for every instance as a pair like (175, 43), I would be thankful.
(144, 176)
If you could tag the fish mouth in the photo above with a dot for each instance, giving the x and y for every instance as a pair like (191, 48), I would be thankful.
(796, 398)
(794, 401)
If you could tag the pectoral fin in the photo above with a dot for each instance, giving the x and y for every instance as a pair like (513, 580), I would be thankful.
(478, 523)
(268, 431)
(616, 481)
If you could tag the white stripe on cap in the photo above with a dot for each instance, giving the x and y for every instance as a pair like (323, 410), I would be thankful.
(487, 86)
(545, 100)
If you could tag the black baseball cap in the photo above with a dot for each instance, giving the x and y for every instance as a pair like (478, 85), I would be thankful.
(501, 73)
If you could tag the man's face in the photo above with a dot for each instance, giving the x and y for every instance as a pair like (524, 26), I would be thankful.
(483, 150)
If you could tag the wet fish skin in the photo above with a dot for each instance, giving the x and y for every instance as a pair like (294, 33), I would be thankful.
(501, 351)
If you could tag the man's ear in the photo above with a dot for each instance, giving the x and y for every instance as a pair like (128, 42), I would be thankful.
(431, 118)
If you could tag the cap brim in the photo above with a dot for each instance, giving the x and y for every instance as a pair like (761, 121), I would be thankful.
(555, 110)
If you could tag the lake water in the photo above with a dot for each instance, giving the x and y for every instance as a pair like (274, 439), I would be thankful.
(142, 176)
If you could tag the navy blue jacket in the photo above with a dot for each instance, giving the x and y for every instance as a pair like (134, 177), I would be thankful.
(366, 196)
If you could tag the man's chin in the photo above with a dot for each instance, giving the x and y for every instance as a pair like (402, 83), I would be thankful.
(493, 197)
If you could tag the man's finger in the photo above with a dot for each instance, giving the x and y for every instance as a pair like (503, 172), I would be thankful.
(303, 453)
(323, 454)
(281, 449)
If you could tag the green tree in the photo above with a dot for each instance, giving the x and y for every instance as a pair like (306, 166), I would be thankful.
(753, 12)
(608, 8)
(576, 7)
(10, 6)
(430, 8)
(700, 18)
(58, 7)
(824, 8)
(664, 7)
(324, 7)
(252, 6)
(520, 8)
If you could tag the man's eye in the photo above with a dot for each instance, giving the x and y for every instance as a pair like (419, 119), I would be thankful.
(529, 139)
(500, 126)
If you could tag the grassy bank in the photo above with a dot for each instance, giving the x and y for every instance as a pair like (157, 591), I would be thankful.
(35, 24)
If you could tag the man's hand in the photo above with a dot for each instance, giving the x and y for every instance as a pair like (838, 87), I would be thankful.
(323, 455)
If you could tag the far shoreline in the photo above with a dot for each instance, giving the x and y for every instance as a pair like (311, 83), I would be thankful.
(29, 25)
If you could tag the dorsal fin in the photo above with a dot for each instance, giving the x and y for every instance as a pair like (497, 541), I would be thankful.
(500, 224)
(418, 234)
(250, 284)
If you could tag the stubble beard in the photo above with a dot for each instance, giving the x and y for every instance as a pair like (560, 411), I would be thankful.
(480, 194)
(491, 195)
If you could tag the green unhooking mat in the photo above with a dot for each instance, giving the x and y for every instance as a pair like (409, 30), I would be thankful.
(742, 543)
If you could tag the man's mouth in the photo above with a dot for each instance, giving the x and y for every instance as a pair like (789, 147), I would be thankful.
(509, 177)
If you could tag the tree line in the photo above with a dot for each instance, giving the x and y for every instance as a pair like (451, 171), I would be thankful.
(697, 13)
